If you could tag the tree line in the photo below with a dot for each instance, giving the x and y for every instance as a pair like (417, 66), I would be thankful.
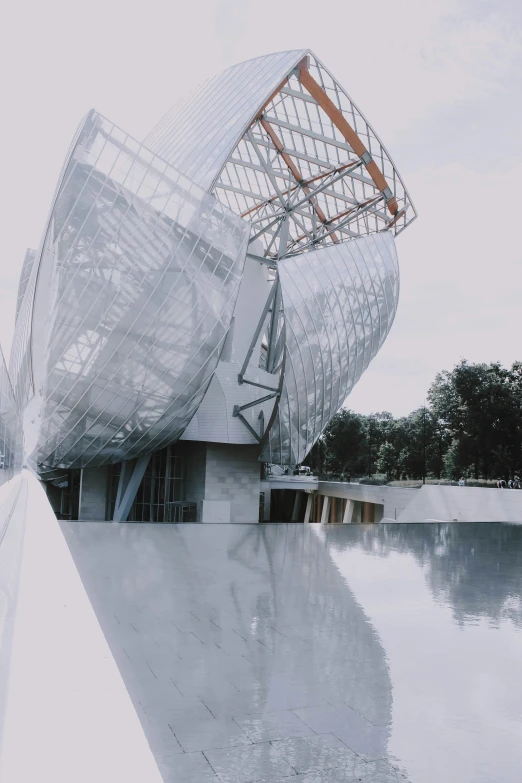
(471, 426)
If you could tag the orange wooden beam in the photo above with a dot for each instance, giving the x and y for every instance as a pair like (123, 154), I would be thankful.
(278, 144)
(340, 122)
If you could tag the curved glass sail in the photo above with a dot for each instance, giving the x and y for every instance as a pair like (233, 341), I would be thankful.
(198, 134)
(136, 286)
(339, 304)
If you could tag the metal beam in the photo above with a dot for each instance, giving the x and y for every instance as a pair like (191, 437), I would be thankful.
(341, 123)
(323, 186)
(266, 164)
(357, 212)
(261, 419)
(360, 211)
(237, 413)
(121, 512)
(273, 221)
(260, 325)
(333, 172)
(283, 244)
(245, 193)
(295, 153)
(311, 134)
(297, 94)
(278, 144)
(254, 383)
(239, 408)
(272, 337)
(271, 262)
(121, 482)
(249, 427)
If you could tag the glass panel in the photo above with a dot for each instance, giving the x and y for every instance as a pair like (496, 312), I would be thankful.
(339, 304)
(161, 496)
(11, 438)
(199, 133)
(132, 303)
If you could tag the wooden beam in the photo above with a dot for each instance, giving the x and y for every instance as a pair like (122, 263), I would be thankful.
(340, 122)
(278, 144)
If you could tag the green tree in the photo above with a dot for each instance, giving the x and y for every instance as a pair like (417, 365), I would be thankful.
(387, 460)
(479, 407)
(345, 440)
(472, 426)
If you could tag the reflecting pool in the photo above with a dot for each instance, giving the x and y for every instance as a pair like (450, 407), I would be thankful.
(446, 604)
(380, 653)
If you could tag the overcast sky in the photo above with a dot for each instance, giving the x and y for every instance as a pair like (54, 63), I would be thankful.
(440, 81)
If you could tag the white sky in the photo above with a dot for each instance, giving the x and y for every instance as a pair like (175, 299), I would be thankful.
(440, 81)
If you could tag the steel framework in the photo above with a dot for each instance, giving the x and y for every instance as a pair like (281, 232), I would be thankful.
(310, 164)
(126, 307)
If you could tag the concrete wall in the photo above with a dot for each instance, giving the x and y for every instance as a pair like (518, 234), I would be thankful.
(393, 499)
(233, 475)
(434, 503)
(93, 493)
(224, 480)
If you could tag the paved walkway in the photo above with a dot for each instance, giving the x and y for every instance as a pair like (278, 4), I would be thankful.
(65, 712)
(243, 650)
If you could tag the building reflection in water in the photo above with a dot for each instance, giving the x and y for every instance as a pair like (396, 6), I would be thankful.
(446, 602)
(244, 619)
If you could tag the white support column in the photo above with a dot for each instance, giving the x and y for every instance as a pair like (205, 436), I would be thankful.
(309, 506)
(121, 512)
(93, 493)
(326, 510)
(348, 512)
(122, 482)
(297, 505)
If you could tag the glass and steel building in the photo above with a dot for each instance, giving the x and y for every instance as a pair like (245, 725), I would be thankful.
(11, 434)
(204, 301)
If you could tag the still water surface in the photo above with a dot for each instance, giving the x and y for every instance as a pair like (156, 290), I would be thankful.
(255, 652)
(446, 604)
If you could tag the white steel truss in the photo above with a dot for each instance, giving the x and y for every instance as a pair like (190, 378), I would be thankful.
(310, 156)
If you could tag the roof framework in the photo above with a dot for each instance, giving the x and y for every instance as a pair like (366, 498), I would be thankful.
(310, 156)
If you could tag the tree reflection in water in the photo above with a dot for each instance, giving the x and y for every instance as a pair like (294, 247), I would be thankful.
(476, 569)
